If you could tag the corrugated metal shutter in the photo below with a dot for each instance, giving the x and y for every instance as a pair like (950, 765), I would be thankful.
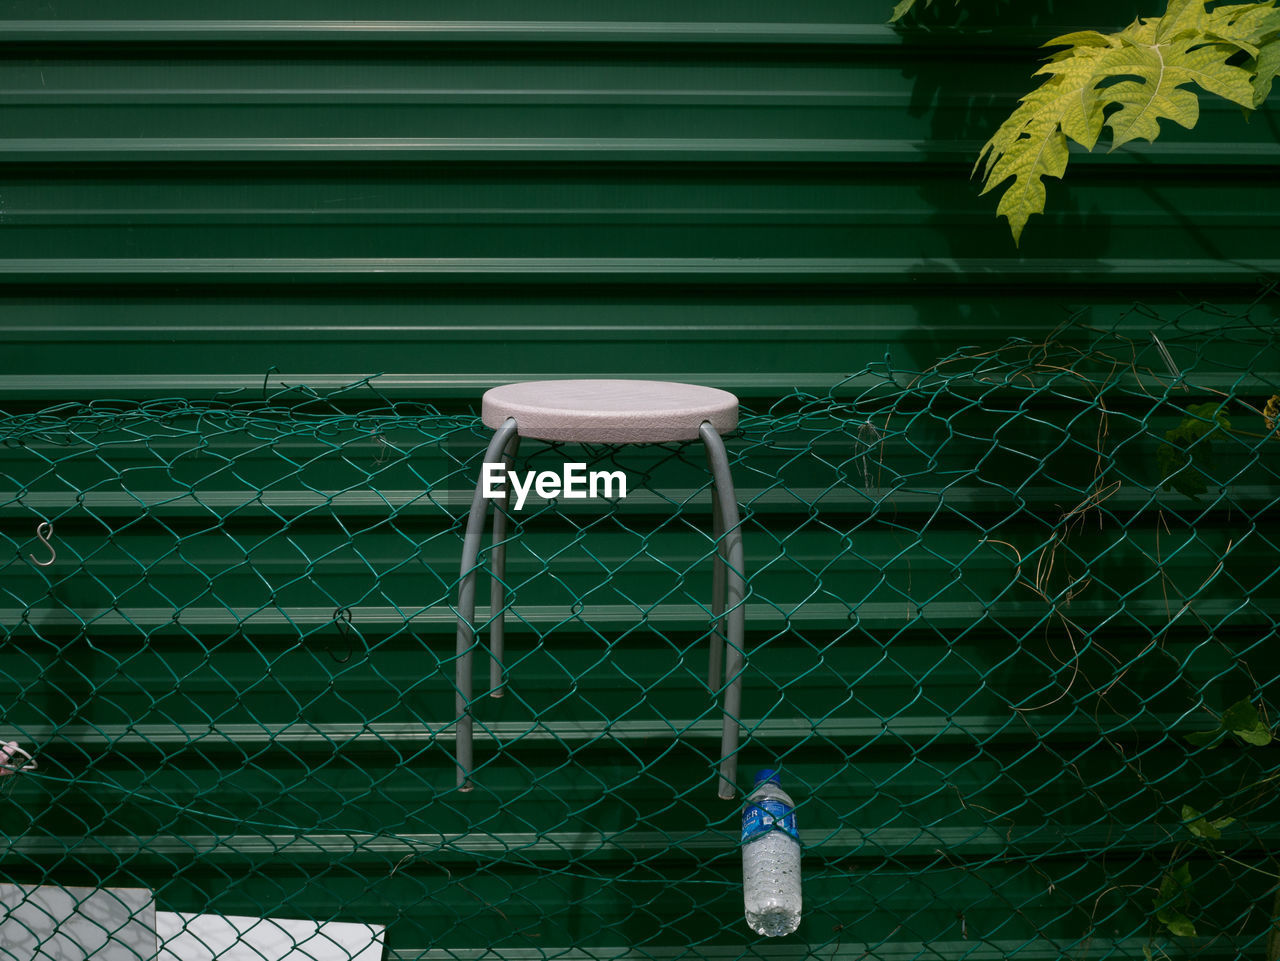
(756, 196)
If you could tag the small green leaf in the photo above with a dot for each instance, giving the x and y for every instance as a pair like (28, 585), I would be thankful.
(1187, 453)
(1202, 827)
(1240, 716)
(1257, 738)
(1210, 412)
(1242, 720)
(1146, 952)
(1173, 897)
(1196, 823)
(1174, 462)
(1173, 885)
(1212, 738)
(1177, 923)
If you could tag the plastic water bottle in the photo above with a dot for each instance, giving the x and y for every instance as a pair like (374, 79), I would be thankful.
(770, 859)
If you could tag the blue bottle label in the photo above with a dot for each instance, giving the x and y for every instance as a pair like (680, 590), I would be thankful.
(768, 814)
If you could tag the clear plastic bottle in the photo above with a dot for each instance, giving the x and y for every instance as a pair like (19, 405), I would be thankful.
(770, 859)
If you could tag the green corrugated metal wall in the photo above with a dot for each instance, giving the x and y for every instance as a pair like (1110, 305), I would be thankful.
(756, 196)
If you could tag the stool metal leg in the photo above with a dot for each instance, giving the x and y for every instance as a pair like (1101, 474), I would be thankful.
(736, 601)
(467, 604)
(497, 571)
(715, 657)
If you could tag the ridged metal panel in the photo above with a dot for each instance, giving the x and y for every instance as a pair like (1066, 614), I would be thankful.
(752, 195)
(523, 192)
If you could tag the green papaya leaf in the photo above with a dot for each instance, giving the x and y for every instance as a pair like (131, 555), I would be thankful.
(1266, 65)
(901, 9)
(1154, 70)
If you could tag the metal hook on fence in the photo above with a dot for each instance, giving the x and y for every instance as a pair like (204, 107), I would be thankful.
(8, 753)
(44, 531)
(342, 620)
(1168, 361)
(266, 377)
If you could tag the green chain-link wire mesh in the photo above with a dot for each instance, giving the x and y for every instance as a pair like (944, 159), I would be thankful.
(1010, 638)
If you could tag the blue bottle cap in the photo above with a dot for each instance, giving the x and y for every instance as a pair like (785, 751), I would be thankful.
(767, 774)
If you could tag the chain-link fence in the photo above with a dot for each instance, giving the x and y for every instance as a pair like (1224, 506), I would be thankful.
(1010, 639)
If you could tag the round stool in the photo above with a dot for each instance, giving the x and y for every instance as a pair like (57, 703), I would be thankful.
(608, 412)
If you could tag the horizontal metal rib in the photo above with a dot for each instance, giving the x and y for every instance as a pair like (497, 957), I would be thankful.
(927, 616)
(233, 386)
(839, 948)
(612, 32)
(783, 501)
(552, 846)
(850, 733)
(313, 150)
(595, 270)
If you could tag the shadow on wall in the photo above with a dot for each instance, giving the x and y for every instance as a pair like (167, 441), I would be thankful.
(992, 52)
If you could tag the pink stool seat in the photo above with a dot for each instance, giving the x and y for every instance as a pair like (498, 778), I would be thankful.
(610, 411)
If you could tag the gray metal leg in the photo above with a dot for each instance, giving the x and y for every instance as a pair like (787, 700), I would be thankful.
(736, 600)
(498, 571)
(715, 656)
(467, 604)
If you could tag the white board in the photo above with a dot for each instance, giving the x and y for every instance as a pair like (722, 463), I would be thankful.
(48, 922)
(216, 937)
